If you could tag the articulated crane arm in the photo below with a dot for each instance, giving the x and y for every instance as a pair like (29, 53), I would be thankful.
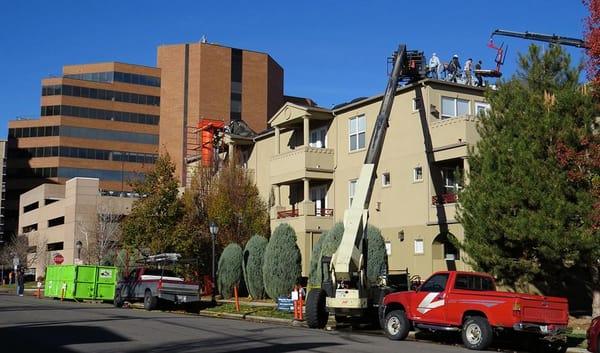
(345, 289)
(548, 38)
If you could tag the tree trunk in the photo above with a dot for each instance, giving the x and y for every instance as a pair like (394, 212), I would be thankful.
(595, 267)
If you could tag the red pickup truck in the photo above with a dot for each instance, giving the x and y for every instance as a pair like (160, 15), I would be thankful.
(468, 302)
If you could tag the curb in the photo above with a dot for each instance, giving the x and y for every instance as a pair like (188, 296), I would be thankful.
(253, 318)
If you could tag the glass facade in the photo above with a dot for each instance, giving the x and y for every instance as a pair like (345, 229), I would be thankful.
(102, 174)
(116, 76)
(100, 114)
(103, 94)
(86, 153)
(101, 134)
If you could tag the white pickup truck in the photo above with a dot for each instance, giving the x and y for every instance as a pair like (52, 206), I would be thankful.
(153, 285)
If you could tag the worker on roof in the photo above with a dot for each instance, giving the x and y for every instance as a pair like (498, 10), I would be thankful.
(453, 68)
(468, 73)
(434, 66)
(478, 75)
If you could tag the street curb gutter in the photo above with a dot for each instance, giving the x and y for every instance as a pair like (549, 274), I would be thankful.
(263, 319)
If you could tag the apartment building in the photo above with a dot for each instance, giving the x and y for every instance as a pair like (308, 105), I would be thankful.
(97, 120)
(62, 220)
(310, 160)
(209, 81)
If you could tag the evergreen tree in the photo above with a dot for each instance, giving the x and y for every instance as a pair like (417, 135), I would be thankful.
(254, 254)
(282, 262)
(229, 273)
(151, 225)
(329, 242)
(524, 219)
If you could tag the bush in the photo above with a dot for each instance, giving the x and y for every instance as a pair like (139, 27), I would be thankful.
(329, 242)
(252, 265)
(282, 261)
(314, 278)
(229, 273)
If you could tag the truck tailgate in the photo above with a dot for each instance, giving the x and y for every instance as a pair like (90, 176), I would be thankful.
(179, 288)
(547, 310)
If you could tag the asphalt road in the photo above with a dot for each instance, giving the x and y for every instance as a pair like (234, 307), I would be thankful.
(28, 324)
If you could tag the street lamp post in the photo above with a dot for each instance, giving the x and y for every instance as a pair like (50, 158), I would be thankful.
(214, 229)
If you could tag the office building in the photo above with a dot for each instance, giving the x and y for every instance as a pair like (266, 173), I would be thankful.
(97, 120)
(209, 81)
(63, 220)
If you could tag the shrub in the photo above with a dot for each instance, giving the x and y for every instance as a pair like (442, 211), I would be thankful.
(376, 257)
(252, 265)
(314, 278)
(282, 261)
(229, 273)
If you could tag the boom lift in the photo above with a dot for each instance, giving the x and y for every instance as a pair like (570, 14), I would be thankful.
(548, 38)
(345, 289)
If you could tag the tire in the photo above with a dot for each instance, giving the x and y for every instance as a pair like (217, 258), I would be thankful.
(118, 301)
(396, 325)
(316, 312)
(477, 333)
(150, 301)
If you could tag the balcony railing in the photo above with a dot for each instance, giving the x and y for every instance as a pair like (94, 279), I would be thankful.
(288, 213)
(324, 212)
(444, 199)
(320, 212)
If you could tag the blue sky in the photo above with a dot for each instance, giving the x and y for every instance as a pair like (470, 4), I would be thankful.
(331, 51)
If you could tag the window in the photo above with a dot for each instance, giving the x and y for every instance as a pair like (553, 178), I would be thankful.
(49, 201)
(454, 107)
(416, 104)
(30, 228)
(419, 248)
(56, 221)
(357, 132)
(451, 180)
(31, 207)
(351, 191)
(388, 248)
(471, 282)
(418, 174)
(481, 107)
(318, 138)
(55, 246)
(436, 283)
(385, 179)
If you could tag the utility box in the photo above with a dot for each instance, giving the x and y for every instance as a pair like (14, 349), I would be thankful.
(81, 282)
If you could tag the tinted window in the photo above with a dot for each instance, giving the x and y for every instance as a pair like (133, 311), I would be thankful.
(436, 283)
(158, 272)
(470, 282)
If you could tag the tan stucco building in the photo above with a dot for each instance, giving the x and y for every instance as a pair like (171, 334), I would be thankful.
(55, 217)
(307, 164)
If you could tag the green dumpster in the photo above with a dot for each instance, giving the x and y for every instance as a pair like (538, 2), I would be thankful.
(80, 282)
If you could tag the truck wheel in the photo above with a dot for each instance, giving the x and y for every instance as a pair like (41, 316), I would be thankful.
(477, 333)
(316, 312)
(118, 301)
(396, 325)
(150, 301)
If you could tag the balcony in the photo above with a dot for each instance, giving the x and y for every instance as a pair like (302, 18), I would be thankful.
(450, 137)
(444, 199)
(303, 162)
(315, 219)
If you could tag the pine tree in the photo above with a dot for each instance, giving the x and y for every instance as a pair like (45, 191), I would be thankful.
(525, 220)
(151, 225)
(254, 254)
(229, 273)
(282, 262)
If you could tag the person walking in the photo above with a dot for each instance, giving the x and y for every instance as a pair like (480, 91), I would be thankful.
(478, 75)
(10, 277)
(434, 66)
(468, 73)
(20, 282)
